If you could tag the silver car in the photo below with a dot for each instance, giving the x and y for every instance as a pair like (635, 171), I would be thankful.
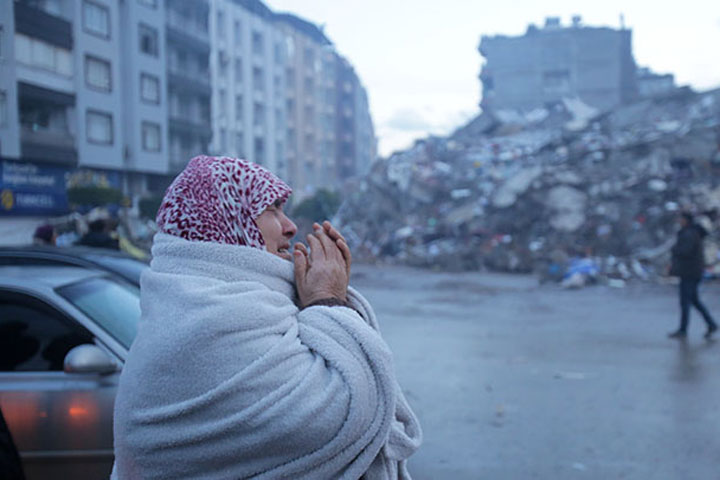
(64, 335)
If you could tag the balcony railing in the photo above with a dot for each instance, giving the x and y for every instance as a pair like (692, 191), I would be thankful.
(48, 145)
(190, 26)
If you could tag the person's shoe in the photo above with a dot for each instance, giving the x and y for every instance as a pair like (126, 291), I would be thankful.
(711, 329)
(678, 334)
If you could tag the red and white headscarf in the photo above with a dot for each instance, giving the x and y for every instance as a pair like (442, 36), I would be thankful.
(217, 199)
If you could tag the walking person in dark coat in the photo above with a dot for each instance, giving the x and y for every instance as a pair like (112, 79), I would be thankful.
(688, 263)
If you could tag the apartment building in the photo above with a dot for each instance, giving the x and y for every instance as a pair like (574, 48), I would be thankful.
(547, 64)
(310, 104)
(248, 57)
(189, 83)
(356, 147)
(79, 91)
(124, 93)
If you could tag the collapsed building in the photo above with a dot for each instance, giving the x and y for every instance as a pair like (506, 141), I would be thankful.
(546, 191)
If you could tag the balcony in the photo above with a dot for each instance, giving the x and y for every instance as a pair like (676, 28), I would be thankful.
(37, 23)
(191, 127)
(45, 119)
(48, 146)
(189, 82)
(188, 39)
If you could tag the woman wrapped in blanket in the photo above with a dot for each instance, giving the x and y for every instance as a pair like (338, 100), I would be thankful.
(250, 361)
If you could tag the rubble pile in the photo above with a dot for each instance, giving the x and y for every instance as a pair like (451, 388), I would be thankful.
(545, 191)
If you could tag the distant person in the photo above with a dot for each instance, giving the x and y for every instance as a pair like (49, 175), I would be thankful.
(688, 263)
(45, 235)
(253, 360)
(98, 236)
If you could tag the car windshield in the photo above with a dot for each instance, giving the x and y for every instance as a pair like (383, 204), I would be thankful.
(129, 268)
(114, 306)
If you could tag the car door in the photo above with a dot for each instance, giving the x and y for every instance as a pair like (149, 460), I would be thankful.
(61, 422)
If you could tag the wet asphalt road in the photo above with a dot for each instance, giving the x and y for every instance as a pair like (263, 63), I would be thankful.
(515, 381)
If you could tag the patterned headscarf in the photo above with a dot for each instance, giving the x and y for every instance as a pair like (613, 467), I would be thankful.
(217, 199)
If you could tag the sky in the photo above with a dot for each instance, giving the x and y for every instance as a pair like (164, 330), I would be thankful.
(418, 59)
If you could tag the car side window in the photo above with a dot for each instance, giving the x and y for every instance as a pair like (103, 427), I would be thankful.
(34, 336)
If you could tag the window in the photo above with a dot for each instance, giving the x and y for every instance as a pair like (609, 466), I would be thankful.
(43, 55)
(114, 306)
(63, 62)
(222, 103)
(35, 337)
(149, 88)
(3, 108)
(148, 40)
(96, 19)
(205, 111)
(258, 114)
(291, 137)
(151, 137)
(277, 83)
(223, 62)
(257, 43)
(258, 79)
(238, 70)
(239, 145)
(278, 54)
(309, 143)
(309, 86)
(259, 150)
(149, 3)
(53, 7)
(309, 57)
(223, 140)
(99, 127)
(237, 32)
(290, 106)
(279, 155)
(220, 23)
(2, 41)
(97, 73)
(238, 108)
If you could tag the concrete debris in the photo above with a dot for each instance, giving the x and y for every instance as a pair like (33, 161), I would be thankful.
(546, 191)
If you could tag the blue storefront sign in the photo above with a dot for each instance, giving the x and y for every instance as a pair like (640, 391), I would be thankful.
(28, 188)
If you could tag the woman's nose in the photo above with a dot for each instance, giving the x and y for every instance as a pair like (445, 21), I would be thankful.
(289, 227)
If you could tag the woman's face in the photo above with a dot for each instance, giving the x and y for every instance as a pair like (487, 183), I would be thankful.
(277, 230)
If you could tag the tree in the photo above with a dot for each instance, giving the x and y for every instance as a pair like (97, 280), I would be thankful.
(149, 206)
(93, 196)
(323, 205)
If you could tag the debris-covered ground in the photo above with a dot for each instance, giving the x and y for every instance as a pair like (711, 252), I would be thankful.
(515, 381)
(559, 191)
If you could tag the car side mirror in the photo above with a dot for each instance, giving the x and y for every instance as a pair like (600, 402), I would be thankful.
(89, 358)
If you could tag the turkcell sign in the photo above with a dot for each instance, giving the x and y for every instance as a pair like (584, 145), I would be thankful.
(28, 188)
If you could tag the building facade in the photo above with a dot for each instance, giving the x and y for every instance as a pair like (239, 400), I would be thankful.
(651, 84)
(310, 105)
(248, 60)
(81, 85)
(124, 93)
(189, 85)
(356, 147)
(550, 63)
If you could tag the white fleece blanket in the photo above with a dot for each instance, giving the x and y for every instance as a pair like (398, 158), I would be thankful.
(228, 379)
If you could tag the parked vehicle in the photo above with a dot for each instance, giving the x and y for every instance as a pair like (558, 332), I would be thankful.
(64, 336)
(112, 261)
